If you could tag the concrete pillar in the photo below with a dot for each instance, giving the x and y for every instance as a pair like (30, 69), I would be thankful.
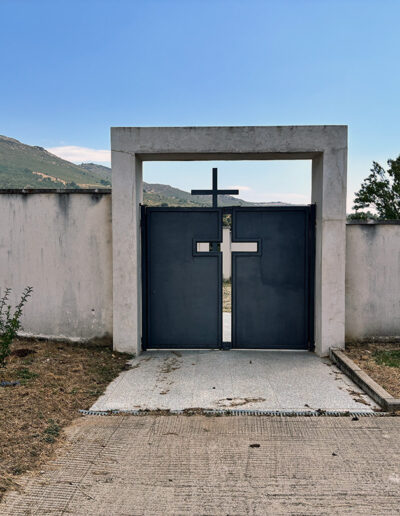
(127, 194)
(329, 193)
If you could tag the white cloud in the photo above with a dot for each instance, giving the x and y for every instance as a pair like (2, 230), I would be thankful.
(81, 154)
(241, 188)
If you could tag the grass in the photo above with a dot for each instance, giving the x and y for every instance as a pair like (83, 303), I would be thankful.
(389, 358)
(55, 381)
(381, 361)
(51, 432)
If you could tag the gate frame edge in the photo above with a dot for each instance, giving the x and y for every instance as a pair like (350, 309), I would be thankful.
(324, 145)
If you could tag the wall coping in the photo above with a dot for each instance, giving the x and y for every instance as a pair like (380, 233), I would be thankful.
(108, 191)
(394, 222)
(30, 191)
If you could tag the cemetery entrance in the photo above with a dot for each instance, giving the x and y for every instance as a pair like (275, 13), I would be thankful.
(272, 286)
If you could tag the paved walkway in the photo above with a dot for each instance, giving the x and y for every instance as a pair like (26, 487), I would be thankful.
(259, 380)
(239, 465)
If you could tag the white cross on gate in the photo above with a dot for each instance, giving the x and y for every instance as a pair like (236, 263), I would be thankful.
(226, 246)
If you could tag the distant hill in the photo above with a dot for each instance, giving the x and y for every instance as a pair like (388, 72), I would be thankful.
(103, 173)
(155, 194)
(26, 166)
(158, 194)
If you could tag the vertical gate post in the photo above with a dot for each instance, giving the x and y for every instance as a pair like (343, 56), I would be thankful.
(329, 171)
(127, 195)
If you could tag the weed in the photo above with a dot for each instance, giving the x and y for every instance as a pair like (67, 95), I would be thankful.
(52, 431)
(10, 321)
(389, 358)
(95, 392)
(25, 374)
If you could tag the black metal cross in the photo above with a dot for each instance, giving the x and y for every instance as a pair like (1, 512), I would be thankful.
(215, 192)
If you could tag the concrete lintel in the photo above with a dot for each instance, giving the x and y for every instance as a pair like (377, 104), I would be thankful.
(223, 156)
(246, 140)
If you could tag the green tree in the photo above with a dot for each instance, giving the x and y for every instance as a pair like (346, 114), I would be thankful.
(72, 185)
(381, 190)
(362, 215)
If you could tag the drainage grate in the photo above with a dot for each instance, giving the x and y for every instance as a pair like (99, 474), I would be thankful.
(237, 412)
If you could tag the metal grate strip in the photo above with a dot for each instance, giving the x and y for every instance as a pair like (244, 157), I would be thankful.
(238, 412)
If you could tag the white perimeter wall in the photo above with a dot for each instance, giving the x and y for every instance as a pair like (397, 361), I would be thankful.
(61, 245)
(372, 280)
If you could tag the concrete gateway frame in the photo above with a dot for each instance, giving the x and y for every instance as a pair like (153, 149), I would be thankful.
(326, 146)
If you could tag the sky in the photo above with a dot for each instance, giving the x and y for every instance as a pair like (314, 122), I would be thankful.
(69, 70)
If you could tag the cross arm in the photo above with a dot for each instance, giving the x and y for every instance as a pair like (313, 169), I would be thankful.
(219, 192)
(228, 192)
(201, 192)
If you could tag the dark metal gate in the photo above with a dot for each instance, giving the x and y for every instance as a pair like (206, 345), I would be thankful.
(272, 287)
(182, 286)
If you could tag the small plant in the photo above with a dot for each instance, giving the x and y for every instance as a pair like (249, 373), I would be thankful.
(51, 432)
(24, 374)
(389, 358)
(10, 321)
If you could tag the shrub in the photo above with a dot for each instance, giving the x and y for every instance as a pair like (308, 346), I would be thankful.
(10, 321)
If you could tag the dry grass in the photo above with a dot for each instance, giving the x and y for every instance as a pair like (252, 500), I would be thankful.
(226, 296)
(55, 380)
(373, 358)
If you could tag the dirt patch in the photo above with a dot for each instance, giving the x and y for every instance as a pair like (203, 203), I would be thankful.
(238, 402)
(138, 364)
(357, 397)
(373, 358)
(49, 382)
(227, 296)
(170, 364)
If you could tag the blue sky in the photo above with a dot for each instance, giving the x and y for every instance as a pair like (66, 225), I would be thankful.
(71, 69)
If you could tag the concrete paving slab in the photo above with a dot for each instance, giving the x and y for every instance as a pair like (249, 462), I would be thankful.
(259, 380)
(243, 465)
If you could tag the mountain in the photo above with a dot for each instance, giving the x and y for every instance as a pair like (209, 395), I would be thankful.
(157, 194)
(26, 166)
(103, 173)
